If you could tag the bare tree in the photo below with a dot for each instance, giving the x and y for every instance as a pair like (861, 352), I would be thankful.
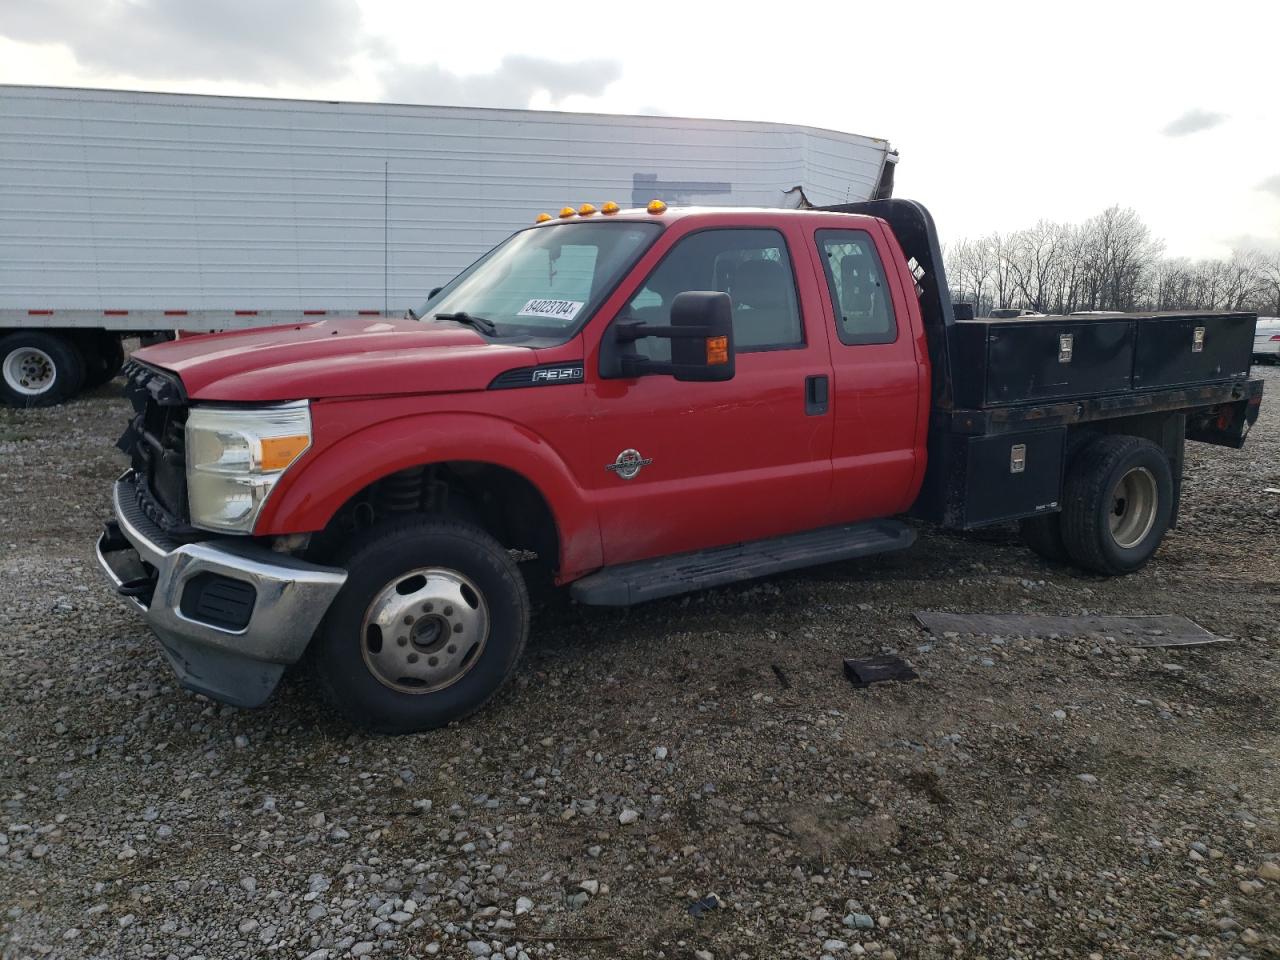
(1034, 258)
(1110, 262)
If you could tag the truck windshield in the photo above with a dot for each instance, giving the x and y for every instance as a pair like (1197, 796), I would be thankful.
(544, 281)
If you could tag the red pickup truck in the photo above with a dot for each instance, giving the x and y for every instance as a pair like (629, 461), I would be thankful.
(640, 403)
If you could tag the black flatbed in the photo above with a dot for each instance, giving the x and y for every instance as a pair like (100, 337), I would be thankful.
(1006, 393)
(1018, 417)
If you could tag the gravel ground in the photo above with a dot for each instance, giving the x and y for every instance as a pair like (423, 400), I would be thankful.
(1024, 798)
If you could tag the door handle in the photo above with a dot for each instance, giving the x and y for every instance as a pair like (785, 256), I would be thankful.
(816, 395)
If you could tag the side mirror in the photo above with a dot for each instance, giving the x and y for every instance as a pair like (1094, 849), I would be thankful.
(701, 335)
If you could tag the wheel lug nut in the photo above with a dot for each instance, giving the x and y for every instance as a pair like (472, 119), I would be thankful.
(413, 658)
(432, 661)
(427, 607)
(457, 628)
(408, 621)
(452, 648)
(402, 640)
(448, 611)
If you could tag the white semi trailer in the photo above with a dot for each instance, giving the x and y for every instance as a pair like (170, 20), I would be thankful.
(125, 213)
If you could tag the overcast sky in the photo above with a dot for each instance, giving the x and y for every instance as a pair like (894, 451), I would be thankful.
(1003, 112)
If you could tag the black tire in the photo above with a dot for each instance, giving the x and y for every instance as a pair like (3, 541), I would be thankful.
(1043, 536)
(344, 653)
(1093, 493)
(39, 369)
(103, 357)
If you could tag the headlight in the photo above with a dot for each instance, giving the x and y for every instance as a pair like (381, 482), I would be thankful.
(235, 455)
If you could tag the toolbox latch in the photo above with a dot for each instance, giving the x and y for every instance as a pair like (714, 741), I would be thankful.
(1018, 458)
(1197, 340)
(1066, 343)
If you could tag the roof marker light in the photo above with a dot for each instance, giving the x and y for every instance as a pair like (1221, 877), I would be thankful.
(586, 210)
(542, 218)
(609, 208)
(656, 206)
(567, 212)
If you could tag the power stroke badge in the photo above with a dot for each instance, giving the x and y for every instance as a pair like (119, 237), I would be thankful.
(628, 464)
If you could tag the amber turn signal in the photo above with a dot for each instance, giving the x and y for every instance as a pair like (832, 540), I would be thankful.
(717, 351)
(279, 452)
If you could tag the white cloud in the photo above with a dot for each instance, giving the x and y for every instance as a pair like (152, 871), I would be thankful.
(517, 81)
(1193, 121)
(1004, 111)
(194, 39)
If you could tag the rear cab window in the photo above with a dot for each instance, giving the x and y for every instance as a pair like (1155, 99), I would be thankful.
(857, 286)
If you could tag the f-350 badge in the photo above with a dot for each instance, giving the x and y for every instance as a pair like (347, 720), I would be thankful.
(628, 464)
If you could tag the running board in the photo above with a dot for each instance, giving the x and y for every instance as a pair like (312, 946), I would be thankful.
(643, 580)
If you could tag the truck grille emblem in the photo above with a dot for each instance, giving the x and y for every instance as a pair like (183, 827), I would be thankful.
(628, 464)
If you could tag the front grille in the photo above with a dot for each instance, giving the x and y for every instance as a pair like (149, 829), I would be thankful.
(155, 442)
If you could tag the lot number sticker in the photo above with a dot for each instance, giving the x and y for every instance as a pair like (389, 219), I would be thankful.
(555, 309)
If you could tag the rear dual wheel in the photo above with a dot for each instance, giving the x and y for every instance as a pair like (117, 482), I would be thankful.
(1117, 505)
(428, 627)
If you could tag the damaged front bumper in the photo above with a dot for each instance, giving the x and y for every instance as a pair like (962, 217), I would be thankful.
(230, 614)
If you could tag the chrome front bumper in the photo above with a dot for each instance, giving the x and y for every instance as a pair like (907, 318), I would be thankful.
(240, 663)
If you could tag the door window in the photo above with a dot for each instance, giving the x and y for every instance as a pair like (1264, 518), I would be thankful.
(856, 282)
(752, 266)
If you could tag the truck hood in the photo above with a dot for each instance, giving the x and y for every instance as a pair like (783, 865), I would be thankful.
(336, 357)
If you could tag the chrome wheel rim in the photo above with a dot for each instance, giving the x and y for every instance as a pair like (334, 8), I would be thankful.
(29, 371)
(425, 630)
(1133, 507)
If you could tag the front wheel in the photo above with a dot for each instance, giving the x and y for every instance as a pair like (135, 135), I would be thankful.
(429, 625)
(1117, 503)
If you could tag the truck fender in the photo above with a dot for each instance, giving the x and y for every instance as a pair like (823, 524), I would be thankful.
(315, 488)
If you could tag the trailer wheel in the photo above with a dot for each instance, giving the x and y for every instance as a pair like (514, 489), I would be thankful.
(1118, 499)
(429, 626)
(1043, 536)
(39, 369)
(103, 358)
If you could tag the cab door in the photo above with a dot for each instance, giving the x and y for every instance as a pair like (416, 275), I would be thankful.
(685, 466)
(878, 445)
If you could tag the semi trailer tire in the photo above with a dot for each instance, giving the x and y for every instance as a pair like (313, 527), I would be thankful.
(430, 624)
(39, 369)
(1117, 503)
(103, 358)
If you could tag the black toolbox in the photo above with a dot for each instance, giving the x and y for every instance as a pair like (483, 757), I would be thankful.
(1173, 351)
(1046, 359)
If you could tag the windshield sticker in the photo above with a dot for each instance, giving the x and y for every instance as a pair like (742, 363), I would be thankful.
(555, 309)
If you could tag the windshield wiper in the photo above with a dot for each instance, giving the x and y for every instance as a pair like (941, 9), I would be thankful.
(471, 320)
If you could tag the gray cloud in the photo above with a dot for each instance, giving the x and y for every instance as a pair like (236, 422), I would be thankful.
(195, 39)
(514, 84)
(1193, 121)
(1271, 185)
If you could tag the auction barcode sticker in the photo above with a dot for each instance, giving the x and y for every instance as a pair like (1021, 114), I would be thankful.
(556, 309)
